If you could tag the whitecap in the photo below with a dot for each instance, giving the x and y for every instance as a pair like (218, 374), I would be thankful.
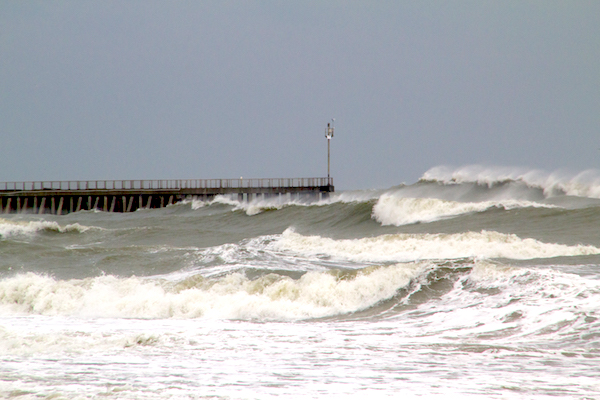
(411, 247)
(391, 209)
(10, 228)
(234, 296)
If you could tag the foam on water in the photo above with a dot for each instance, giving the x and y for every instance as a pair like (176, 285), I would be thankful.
(486, 300)
(413, 247)
(509, 305)
(496, 325)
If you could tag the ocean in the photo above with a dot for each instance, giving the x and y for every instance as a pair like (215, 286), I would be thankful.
(470, 283)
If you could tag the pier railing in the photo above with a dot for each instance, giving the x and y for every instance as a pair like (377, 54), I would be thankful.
(159, 184)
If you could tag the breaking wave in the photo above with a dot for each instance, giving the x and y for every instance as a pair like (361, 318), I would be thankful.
(580, 184)
(234, 296)
(393, 210)
(9, 228)
(412, 247)
(482, 299)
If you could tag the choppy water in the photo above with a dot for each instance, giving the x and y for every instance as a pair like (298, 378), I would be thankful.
(478, 283)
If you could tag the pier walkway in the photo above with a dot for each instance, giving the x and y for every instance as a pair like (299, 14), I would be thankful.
(61, 197)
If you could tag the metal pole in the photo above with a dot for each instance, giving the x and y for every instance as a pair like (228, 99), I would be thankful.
(328, 156)
(329, 135)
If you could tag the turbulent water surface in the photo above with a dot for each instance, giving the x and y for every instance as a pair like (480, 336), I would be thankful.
(475, 283)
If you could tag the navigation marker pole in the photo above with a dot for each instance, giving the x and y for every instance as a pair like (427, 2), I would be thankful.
(329, 135)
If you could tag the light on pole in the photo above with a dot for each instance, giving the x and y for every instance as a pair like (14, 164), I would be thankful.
(329, 135)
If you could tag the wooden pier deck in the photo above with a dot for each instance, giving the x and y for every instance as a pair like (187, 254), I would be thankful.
(62, 197)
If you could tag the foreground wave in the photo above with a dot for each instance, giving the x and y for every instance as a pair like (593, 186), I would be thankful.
(234, 296)
(470, 299)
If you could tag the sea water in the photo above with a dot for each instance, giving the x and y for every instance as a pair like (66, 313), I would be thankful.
(472, 282)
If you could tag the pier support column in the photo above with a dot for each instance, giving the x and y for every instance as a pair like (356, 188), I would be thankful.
(60, 206)
(79, 200)
(130, 204)
(42, 206)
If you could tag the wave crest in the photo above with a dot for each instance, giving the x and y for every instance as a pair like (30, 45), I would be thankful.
(234, 296)
(413, 247)
(10, 228)
(581, 184)
(393, 210)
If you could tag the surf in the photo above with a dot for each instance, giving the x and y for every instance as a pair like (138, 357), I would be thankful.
(580, 184)
(270, 296)
(405, 247)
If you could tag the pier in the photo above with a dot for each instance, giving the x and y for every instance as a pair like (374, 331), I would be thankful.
(62, 197)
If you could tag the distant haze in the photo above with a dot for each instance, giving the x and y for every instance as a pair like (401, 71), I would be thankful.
(223, 89)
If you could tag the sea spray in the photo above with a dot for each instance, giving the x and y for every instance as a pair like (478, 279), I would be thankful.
(581, 184)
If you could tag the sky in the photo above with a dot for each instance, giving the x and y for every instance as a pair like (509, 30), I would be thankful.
(223, 89)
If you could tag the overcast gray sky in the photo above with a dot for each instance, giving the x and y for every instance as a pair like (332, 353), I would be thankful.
(223, 89)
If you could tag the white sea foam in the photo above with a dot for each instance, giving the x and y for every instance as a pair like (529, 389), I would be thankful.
(581, 184)
(355, 196)
(509, 305)
(251, 208)
(496, 338)
(412, 247)
(10, 228)
(391, 209)
(271, 297)
(259, 205)
(196, 204)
